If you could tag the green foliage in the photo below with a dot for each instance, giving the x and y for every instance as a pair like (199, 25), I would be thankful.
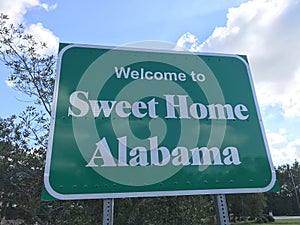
(31, 71)
(29, 129)
(21, 176)
(11, 132)
(164, 210)
(20, 189)
(245, 205)
(286, 202)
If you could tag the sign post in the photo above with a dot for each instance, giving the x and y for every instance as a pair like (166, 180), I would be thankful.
(108, 211)
(221, 210)
(136, 123)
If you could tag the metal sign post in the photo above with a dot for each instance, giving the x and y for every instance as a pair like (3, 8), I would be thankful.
(221, 210)
(108, 211)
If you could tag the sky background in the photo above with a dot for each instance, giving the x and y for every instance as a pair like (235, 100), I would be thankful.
(267, 31)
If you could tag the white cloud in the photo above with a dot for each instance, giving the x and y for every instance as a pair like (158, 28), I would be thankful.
(48, 7)
(44, 35)
(188, 41)
(283, 151)
(16, 10)
(267, 31)
(276, 138)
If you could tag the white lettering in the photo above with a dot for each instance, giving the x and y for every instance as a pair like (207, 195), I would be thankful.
(104, 154)
(136, 107)
(121, 106)
(161, 155)
(194, 112)
(177, 106)
(79, 104)
(183, 109)
(149, 75)
(238, 109)
(104, 107)
(181, 156)
(217, 111)
(232, 156)
(122, 71)
(206, 156)
(152, 108)
(122, 151)
(140, 157)
(155, 150)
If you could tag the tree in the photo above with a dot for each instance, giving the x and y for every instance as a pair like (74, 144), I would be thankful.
(286, 202)
(32, 73)
(21, 180)
(245, 205)
(18, 184)
(165, 210)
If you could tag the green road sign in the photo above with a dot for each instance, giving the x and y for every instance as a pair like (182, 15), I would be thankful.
(130, 123)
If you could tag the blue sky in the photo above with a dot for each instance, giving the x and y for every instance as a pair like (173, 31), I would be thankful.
(117, 22)
(266, 31)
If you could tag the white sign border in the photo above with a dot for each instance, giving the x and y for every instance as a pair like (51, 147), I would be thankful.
(59, 196)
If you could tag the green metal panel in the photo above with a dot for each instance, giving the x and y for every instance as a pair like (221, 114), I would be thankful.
(130, 123)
